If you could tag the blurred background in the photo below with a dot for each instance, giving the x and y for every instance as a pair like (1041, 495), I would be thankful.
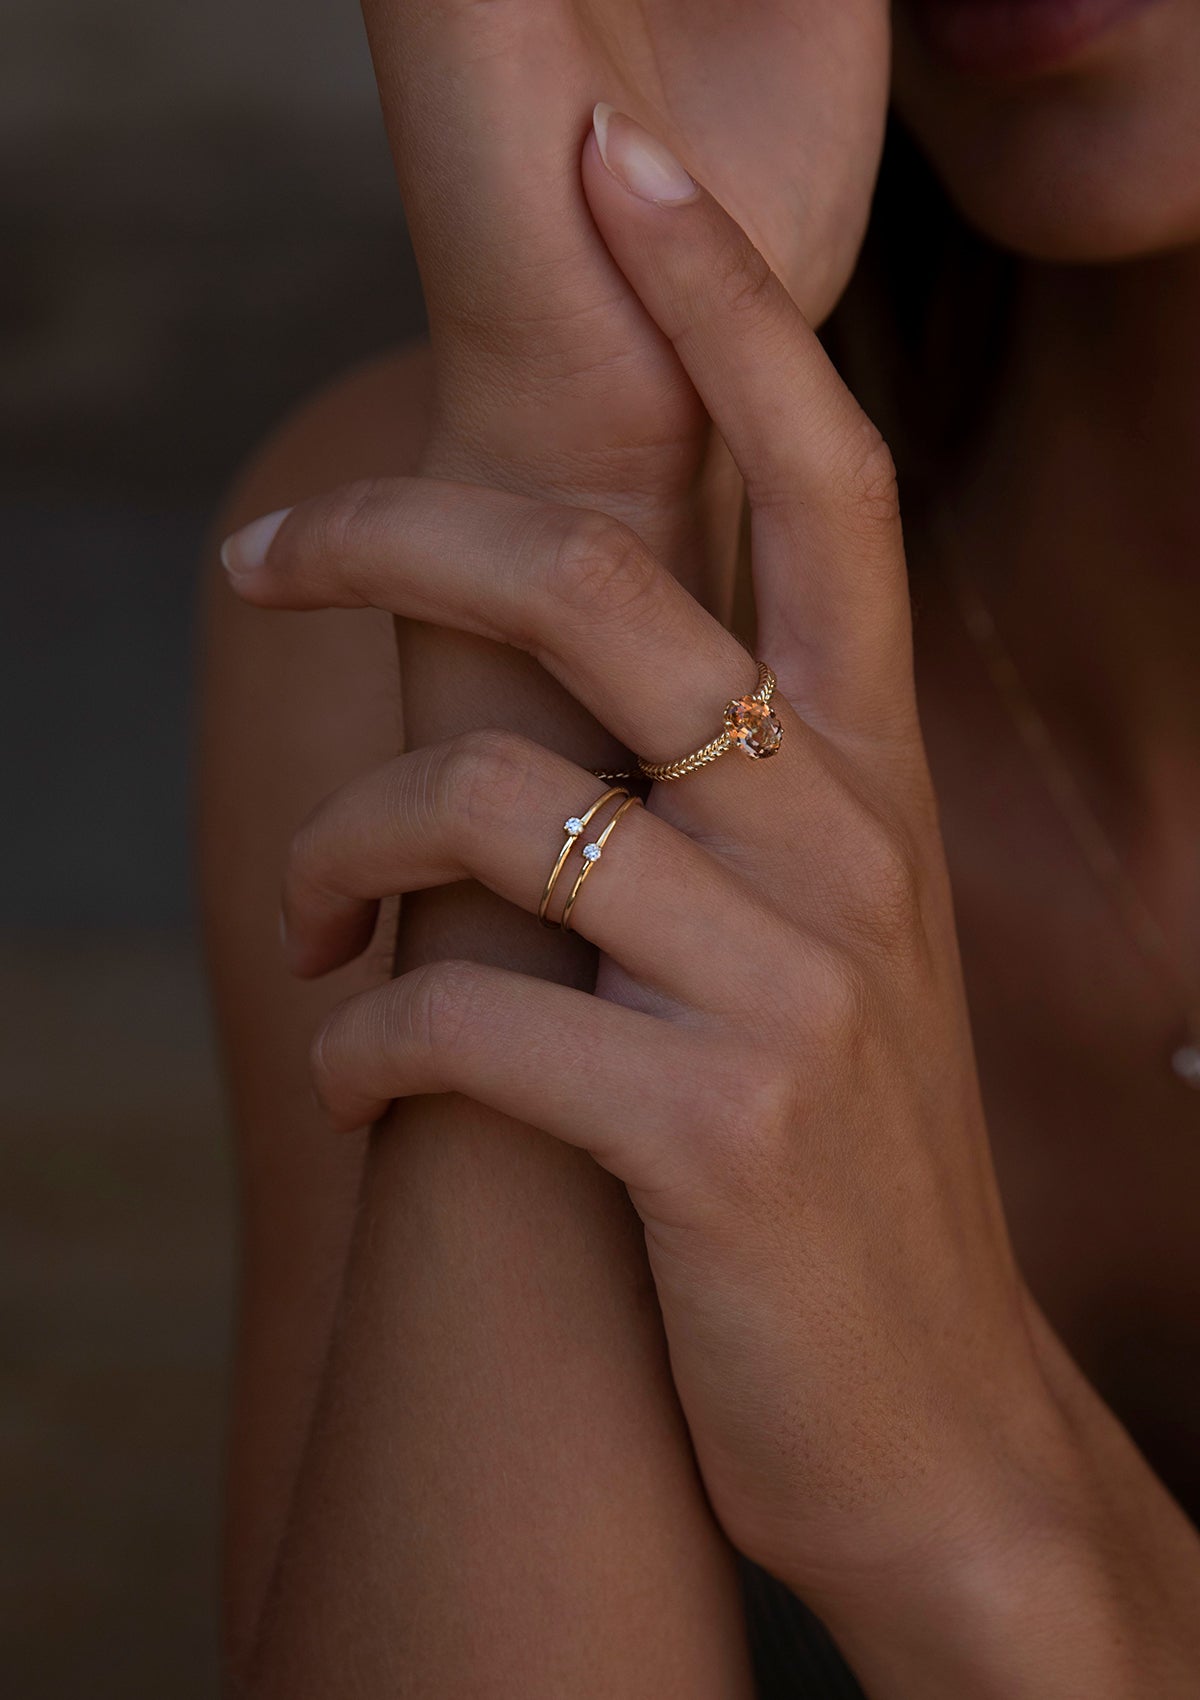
(199, 224)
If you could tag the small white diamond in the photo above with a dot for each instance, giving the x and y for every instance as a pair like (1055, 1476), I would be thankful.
(591, 852)
(574, 826)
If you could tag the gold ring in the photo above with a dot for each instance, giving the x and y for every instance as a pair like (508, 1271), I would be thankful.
(573, 829)
(751, 725)
(591, 855)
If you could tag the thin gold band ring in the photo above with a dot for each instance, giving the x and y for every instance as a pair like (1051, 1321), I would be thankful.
(574, 830)
(591, 855)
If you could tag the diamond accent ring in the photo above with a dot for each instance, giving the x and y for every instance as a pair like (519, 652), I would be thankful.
(573, 829)
(591, 855)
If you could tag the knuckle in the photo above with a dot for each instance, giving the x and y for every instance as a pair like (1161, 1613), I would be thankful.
(743, 1117)
(484, 777)
(601, 569)
(756, 1103)
(441, 1000)
(744, 282)
(887, 908)
(835, 1004)
(893, 878)
(341, 518)
(865, 474)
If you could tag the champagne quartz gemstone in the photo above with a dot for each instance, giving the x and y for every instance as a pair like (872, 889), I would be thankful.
(753, 727)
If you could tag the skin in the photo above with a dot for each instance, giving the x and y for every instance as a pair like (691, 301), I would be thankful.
(1118, 117)
(1075, 497)
(548, 379)
(512, 1597)
(729, 1123)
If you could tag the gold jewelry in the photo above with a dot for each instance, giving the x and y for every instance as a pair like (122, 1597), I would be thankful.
(751, 726)
(1065, 792)
(591, 855)
(614, 778)
(573, 829)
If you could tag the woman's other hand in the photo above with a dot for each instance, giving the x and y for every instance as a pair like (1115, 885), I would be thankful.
(550, 376)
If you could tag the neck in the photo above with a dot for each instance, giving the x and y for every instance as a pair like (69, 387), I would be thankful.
(1080, 517)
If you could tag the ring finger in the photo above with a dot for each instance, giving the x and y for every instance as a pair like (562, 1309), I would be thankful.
(493, 806)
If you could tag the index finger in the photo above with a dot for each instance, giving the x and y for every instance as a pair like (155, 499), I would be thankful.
(829, 563)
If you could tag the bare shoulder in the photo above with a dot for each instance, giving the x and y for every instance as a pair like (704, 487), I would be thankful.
(370, 422)
(293, 706)
(296, 703)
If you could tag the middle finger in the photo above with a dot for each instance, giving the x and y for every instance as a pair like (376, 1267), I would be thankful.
(574, 588)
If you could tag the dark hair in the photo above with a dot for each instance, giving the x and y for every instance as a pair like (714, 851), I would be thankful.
(922, 330)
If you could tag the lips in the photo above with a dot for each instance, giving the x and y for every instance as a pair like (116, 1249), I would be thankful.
(1016, 37)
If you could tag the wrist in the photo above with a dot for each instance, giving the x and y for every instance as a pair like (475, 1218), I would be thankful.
(988, 1614)
(683, 498)
(1057, 1566)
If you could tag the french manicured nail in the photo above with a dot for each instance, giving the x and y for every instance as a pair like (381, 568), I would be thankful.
(639, 161)
(246, 550)
(291, 956)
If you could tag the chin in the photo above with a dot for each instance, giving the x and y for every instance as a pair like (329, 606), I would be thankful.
(1081, 146)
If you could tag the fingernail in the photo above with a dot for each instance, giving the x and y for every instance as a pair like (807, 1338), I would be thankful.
(639, 161)
(293, 954)
(246, 550)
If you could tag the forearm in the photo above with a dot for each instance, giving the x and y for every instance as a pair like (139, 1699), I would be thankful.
(1080, 1575)
(295, 708)
(499, 1492)
(500, 1446)
(498, 1496)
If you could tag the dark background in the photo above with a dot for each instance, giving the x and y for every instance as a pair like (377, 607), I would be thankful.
(199, 224)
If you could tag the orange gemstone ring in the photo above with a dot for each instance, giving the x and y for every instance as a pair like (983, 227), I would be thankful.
(751, 726)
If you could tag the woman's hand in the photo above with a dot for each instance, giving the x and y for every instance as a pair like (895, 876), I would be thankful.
(551, 379)
(779, 1066)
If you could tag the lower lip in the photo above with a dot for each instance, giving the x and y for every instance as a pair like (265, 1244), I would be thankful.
(1016, 37)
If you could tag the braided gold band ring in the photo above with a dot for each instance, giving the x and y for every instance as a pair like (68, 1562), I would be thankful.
(751, 725)
(574, 830)
(591, 855)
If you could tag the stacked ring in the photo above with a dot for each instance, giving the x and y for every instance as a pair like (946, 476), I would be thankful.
(591, 855)
(573, 829)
